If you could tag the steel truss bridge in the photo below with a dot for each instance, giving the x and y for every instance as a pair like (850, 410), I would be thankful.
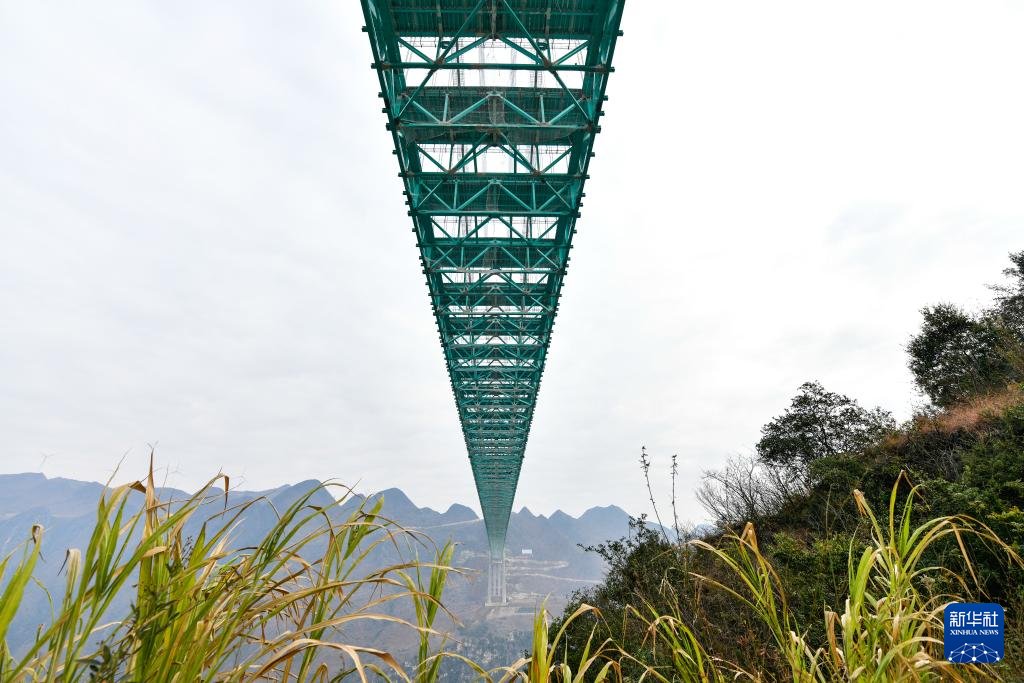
(493, 106)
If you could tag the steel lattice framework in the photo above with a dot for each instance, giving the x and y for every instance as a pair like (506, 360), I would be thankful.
(493, 106)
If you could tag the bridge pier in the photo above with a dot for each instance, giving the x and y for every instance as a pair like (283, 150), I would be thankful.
(496, 584)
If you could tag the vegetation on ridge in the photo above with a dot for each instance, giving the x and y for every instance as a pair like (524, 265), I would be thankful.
(818, 471)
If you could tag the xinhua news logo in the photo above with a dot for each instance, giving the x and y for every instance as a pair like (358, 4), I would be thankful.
(973, 633)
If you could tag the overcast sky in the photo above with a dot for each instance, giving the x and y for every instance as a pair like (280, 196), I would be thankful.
(203, 242)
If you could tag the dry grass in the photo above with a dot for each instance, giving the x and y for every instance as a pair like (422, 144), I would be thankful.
(970, 415)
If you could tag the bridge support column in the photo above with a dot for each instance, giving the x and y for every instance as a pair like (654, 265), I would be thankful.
(496, 591)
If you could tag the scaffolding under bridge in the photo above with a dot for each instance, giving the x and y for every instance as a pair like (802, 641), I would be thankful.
(494, 106)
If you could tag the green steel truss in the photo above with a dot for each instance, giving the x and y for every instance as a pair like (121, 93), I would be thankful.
(493, 106)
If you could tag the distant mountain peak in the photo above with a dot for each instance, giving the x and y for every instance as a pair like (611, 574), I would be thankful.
(396, 498)
(604, 511)
(307, 484)
(460, 513)
(394, 490)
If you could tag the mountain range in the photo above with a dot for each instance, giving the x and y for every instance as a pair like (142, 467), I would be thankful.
(544, 560)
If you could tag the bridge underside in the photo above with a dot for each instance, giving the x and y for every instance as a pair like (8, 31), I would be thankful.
(493, 106)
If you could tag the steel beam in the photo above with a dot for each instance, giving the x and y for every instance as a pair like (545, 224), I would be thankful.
(493, 107)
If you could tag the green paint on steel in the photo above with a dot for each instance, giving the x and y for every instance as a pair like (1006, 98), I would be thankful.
(493, 106)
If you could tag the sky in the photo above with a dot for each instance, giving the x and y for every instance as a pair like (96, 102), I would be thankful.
(204, 246)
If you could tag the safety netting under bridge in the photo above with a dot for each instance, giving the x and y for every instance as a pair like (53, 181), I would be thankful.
(494, 106)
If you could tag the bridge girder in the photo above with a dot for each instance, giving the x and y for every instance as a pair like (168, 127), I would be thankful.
(493, 106)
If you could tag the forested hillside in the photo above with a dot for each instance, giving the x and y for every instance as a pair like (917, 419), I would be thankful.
(799, 506)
